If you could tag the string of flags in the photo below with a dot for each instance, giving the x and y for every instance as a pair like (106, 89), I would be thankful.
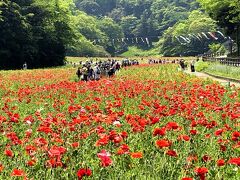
(182, 39)
(125, 40)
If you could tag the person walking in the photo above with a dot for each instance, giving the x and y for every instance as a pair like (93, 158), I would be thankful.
(193, 66)
(79, 73)
(85, 73)
(25, 66)
(97, 72)
(182, 65)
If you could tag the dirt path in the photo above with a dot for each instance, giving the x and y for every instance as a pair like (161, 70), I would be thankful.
(205, 76)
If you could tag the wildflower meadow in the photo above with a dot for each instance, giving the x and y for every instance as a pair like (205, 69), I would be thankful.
(147, 122)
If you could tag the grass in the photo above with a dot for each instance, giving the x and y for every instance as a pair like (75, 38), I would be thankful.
(135, 51)
(42, 116)
(224, 70)
(218, 69)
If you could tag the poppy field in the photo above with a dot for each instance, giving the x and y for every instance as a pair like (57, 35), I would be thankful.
(148, 122)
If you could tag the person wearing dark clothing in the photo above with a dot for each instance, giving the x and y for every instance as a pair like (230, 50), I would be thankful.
(85, 73)
(192, 66)
(111, 72)
(79, 73)
(182, 65)
(118, 66)
(90, 73)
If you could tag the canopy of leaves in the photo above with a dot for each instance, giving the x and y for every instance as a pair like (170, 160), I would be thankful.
(33, 33)
(172, 44)
(225, 12)
(42, 32)
(227, 15)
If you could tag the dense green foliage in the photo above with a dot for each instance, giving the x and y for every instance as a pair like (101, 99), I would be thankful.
(140, 18)
(33, 32)
(197, 22)
(227, 15)
(160, 21)
(42, 32)
(201, 65)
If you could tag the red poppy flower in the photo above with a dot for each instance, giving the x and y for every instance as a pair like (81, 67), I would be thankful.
(123, 149)
(155, 120)
(30, 149)
(124, 134)
(17, 172)
(235, 161)
(104, 156)
(163, 143)
(84, 172)
(184, 137)
(40, 141)
(235, 135)
(223, 148)
(172, 125)
(193, 132)
(117, 139)
(102, 141)
(220, 162)
(31, 162)
(56, 151)
(201, 171)
(75, 144)
(187, 178)
(9, 153)
(159, 131)
(206, 158)
(218, 132)
(137, 155)
(172, 153)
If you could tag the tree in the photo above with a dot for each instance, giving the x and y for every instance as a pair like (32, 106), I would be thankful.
(117, 14)
(171, 44)
(129, 23)
(227, 14)
(112, 31)
(14, 30)
(90, 7)
(36, 32)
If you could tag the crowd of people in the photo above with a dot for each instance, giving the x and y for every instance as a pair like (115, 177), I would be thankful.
(91, 70)
(161, 61)
(94, 70)
(181, 62)
(183, 65)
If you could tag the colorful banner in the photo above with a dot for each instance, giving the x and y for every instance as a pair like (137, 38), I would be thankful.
(197, 37)
(136, 40)
(185, 39)
(182, 39)
(147, 42)
(205, 35)
(213, 35)
(219, 32)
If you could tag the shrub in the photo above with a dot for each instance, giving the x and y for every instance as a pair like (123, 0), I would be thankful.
(201, 65)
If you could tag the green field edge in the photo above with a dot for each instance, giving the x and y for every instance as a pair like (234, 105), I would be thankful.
(227, 78)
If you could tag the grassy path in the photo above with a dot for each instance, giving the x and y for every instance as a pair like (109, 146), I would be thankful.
(206, 76)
